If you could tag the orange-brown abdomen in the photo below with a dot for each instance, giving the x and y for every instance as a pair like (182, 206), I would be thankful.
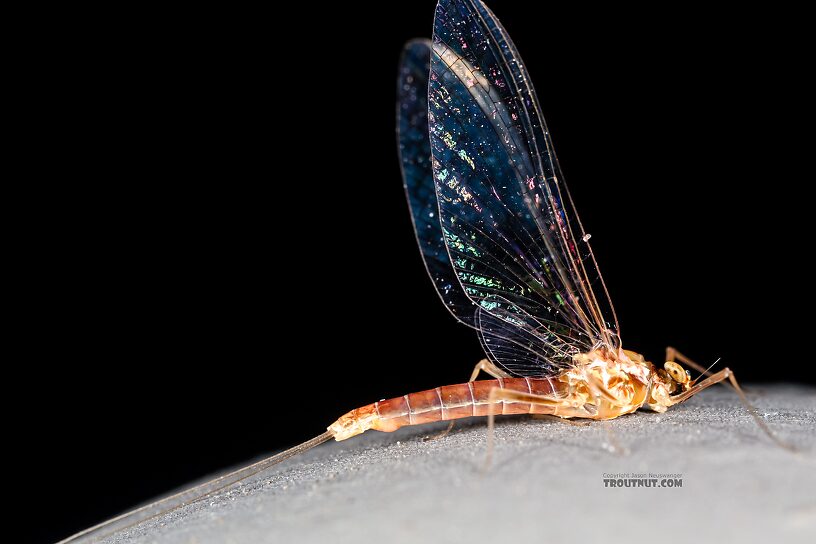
(445, 403)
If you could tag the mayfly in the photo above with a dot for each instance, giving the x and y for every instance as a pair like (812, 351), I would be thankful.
(503, 244)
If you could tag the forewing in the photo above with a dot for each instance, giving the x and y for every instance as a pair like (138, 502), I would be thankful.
(510, 229)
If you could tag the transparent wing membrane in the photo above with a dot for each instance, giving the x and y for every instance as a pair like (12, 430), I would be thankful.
(415, 156)
(513, 241)
(523, 344)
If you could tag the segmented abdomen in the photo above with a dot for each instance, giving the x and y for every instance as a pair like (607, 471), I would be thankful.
(463, 400)
(446, 403)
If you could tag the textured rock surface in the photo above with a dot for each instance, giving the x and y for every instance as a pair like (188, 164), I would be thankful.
(545, 485)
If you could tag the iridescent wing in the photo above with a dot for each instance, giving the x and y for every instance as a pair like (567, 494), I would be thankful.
(515, 340)
(417, 175)
(512, 234)
(521, 343)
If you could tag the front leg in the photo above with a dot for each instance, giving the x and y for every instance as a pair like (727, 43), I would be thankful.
(672, 355)
(718, 377)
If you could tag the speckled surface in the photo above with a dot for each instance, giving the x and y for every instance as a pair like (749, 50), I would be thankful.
(545, 485)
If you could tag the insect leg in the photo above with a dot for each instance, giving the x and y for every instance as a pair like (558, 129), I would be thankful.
(498, 394)
(723, 374)
(486, 366)
(718, 377)
(599, 390)
(576, 423)
(672, 355)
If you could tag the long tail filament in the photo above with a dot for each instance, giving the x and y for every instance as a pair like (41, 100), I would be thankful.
(189, 496)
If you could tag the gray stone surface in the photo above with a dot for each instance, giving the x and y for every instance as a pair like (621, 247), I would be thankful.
(545, 485)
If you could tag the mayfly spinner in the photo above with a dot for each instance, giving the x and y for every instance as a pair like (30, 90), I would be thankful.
(503, 244)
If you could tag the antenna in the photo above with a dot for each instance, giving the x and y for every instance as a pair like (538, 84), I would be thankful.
(705, 372)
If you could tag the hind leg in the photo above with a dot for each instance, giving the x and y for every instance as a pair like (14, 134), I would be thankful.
(500, 395)
(486, 366)
(574, 423)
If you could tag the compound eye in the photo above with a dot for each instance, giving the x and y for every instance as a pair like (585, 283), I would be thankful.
(676, 372)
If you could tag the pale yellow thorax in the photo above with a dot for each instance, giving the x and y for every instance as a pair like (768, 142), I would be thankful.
(605, 385)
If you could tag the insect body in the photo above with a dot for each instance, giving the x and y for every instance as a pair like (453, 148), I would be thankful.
(504, 247)
(503, 244)
(598, 387)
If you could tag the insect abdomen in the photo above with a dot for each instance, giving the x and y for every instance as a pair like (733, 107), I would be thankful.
(443, 404)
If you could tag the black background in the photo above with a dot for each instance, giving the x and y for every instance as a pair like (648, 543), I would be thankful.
(234, 265)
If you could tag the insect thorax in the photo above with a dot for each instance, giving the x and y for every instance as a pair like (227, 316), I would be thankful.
(605, 385)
